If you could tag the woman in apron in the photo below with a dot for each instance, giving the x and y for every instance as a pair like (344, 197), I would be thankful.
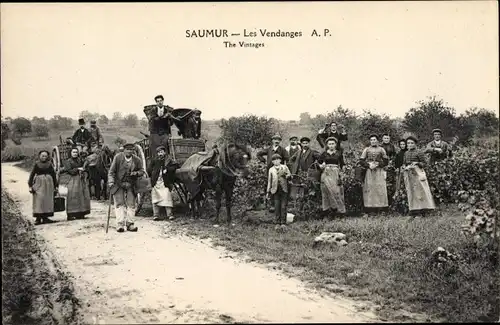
(331, 162)
(43, 185)
(78, 198)
(374, 159)
(420, 198)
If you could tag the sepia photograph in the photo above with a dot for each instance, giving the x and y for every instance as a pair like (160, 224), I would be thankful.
(250, 162)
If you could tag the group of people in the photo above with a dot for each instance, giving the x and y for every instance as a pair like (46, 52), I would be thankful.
(124, 175)
(326, 167)
(127, 171)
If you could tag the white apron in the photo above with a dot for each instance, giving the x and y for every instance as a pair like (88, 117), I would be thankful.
(160, 194)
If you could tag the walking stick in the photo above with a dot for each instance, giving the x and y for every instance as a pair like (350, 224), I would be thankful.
(109, 211)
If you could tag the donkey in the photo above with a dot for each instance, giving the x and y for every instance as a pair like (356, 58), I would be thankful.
(231, 162)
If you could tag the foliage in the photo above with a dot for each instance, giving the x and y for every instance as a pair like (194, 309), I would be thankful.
(5, 133)
(41, 130)
(250, 129)
(131, 120)
(38, 120)
(117, 117)
(60, 123)
(344, 116)
(372, 123)
(103, 120)
(10, 154)
(89, 116)
(119, 141)
(144, 122)
(432, 114)
(305, 118)
(484, 122)
(21, 125)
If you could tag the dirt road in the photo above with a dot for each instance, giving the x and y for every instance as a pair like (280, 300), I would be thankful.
(153, 277)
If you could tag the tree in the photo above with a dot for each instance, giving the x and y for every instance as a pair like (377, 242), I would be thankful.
(41, 130)
(119, 141)
(372, 123)
(432, 114)
(249, 130)
(484, 122)
(103, 120)
(305, 118)
(131, 120)
(5, 133)
(117, 117)
(38, 120)
(144, 122)
(21, 125)
(60, 123)
(88, 116)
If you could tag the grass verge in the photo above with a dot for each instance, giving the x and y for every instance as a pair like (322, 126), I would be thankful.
(387, 262)
(34, 289)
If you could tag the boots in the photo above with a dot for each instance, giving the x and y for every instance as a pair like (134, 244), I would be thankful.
(38, 221)
(129, 220)
(120, 218)
(170, 216)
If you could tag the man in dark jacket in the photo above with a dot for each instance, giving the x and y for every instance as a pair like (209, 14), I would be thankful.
(331, 131)
(266, 155)
(161, 171)
(304, 158)
(82, 137)
(160, 122)
(193, 125)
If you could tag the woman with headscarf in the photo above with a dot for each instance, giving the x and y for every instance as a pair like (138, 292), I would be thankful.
(417, 188)
(331, 162)
(78, 197)
(43, 185)
(374, 159)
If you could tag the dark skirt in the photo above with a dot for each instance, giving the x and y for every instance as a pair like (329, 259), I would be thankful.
(78, 198)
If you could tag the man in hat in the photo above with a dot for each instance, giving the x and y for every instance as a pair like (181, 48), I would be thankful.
(125, 169)
(265, 155)
(95, 132)
(293, 147)
(193, 125)
(437, 148)
(160, 122)
(303, 159)
(82, 137)
(331, 131)
(162, 173)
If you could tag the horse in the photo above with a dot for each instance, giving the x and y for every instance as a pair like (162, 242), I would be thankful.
(98, 171)
(230, 162)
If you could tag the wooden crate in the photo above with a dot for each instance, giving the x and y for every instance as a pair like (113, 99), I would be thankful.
(65, 151)
(184, 148)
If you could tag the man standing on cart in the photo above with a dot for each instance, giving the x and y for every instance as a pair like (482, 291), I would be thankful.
(160, 122)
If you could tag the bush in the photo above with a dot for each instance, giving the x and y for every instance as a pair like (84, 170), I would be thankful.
(250, 130)
(131, 120)
(432, 114)
(41, 130)
(21, 125)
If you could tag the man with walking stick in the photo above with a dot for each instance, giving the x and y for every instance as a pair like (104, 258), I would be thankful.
(125, 169)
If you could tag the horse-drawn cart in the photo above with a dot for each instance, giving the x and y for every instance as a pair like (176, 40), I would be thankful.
(180, 150)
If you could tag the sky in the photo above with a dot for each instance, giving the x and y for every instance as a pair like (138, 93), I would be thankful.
(61, 59)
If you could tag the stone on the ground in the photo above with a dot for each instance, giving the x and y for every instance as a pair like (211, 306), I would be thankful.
(331, 237)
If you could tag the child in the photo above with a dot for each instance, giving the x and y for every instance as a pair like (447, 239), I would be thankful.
(277, 186)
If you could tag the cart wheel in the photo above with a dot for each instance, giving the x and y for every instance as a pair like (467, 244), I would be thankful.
(140, 196)
(56, 160)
